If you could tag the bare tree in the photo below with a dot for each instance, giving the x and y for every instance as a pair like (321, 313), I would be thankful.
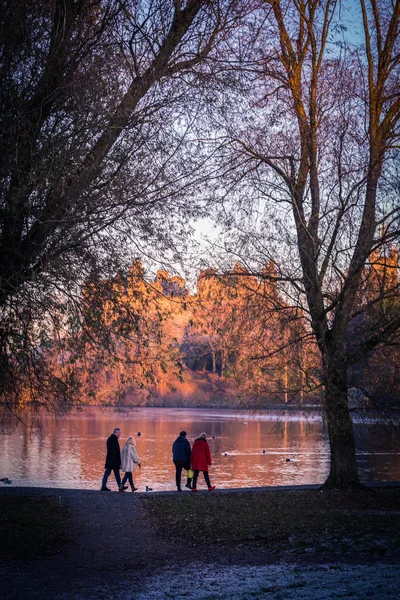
(319, 149)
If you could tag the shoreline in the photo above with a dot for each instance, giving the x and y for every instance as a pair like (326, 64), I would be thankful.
(312, 407)
(38, 490)
(360, 415)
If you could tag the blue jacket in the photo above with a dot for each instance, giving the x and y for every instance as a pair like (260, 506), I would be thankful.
(181, 450)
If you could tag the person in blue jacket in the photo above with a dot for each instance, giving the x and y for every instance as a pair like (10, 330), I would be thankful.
(181, 454)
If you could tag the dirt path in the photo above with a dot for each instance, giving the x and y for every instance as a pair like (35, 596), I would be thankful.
(112, 542)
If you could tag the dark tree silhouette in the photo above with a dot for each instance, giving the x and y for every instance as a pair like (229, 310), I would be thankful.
(93, 128)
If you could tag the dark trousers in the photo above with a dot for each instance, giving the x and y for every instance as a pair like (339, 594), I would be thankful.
(127, 477)
(178, 473)
(206, 477)
(107, 473)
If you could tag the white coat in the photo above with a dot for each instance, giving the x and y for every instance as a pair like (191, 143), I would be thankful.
(129, 457)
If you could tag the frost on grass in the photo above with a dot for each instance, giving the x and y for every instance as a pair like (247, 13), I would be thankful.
(278, 582)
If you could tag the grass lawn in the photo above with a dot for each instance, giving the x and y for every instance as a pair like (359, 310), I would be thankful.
(355, 523)
(32, 526)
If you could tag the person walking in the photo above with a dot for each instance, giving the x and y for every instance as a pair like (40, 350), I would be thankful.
(129, 460)
(181, 454)
(113, 460)
(201, 460)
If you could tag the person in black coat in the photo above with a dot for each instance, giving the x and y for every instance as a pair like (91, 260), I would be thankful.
(181, 454)
(113, 460)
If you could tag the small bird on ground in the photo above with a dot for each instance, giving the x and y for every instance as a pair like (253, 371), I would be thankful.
(148, 489)
(6, 481)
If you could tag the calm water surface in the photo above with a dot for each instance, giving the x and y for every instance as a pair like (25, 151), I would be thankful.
(247, 449)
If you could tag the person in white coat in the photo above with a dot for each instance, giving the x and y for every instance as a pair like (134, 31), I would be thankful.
(129, 460)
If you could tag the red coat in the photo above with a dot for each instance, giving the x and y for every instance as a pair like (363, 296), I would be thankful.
(201, 457)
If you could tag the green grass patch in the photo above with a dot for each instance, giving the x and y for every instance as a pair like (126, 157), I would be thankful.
(328, 522)
(32, 526)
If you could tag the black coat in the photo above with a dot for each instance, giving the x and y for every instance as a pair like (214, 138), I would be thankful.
(181, 450)
(113, 458)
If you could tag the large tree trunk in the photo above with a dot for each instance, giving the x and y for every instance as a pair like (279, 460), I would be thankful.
(343, 469)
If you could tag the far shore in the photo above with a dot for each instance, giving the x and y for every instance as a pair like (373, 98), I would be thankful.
(395, 409)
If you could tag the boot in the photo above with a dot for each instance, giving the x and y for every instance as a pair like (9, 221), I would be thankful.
(133, 488)
(122, 488)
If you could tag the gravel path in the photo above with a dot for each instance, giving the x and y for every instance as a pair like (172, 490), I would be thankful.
(116, 555)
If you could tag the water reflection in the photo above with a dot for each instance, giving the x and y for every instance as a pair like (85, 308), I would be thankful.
(247, 449)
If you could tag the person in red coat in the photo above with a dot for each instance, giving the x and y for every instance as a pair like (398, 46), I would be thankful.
(201, 460)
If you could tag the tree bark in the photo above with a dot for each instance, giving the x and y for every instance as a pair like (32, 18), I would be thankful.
(343, 466)
(214, 362)
(223, 363)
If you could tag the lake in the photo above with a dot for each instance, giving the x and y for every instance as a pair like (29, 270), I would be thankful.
(248, 449)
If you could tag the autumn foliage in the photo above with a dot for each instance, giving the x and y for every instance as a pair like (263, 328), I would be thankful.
(235, 340)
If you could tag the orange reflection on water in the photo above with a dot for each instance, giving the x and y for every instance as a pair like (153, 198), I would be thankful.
(247, 449)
